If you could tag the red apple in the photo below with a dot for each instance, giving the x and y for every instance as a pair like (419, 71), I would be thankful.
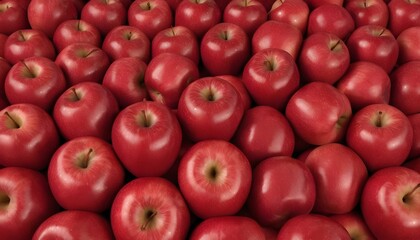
(355, 225)
(147, 138)
(294, 12)
(392, 195)
(214, 173)
(13, 17)
(85, 109)
(23, 3)
(367, 12)
(408, 40)
(405, 91)
(240, 87)
(381, 135)
(210, 108)
(149, 208)
(415, 123)
(402, 15)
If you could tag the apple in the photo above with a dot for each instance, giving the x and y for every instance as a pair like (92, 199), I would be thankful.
(149, 208)
(214, 173)
(365, 83)
(324, 57)
(240, 87)
(415, 123)
(408, 40)
(23, 3)
(316, 3)
(82, 62)
(381, 135)
(150, 16)
(25, 200)
(402, 15)
(35, 80)
(368, 12)
(74, 224)
(257, 141)
(76, 31)
(28, 136)
(166, 77)
(355, 225)
(210, 108)
(125, 79)
(282, 187)
(392, 195)
(271, 77)
(146, 137)
(12, 17)
(85, 109)
(294, 12)
(405, 91)
(319, 113)
(127, 41)
(26, 43)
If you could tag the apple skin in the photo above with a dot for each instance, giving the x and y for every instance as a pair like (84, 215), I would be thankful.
(86, 167)
(26, 43)
(28, 136)
(392, 195)
(316, 3)
(85, 109)
(147, 138)
(166, 77)
(228, 228)
(408, 40)
(224, 49)
(257, 141)
(26, 202)
(214, 173)
(324, 57)
(369, 12)
(149, 208)
(12, 17)
(125, 79)
(35, 80)
(294, 12)
(355, 225)
(240, 87)
(365, 83)
(402, 15)
(374, 43)
(4, 69)
(381, 135)
(76, 31)
(3, 39)
(339, 174)
(415, 123)
(282, 187)
(74, 224)
(405, 91)
(327, 120)
(210, 108)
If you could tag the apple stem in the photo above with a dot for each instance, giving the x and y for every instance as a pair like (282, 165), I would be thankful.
(15, 124)
(79, 28)
(269, 65)
(365, 4)
(85, 161)
(150, 214)
(335, 45)
(31, 74)
(408, 196)
(173, 31)
(76, 97)
(378, 122)
(245, 3)
(146, 122)
(21, 36)
(224, 35)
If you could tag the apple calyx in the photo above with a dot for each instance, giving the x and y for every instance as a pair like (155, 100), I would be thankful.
(145, 119)
(224, 35)
(270, 65)
(83, 161)
(379, 121)
(150, 215)
(409, 196)
(4, 7)
(74, 97)
(209, 94)
(22, 37)
(29, 73)
(378, 32)
(336, 46)
(146, 6)
(11, 123)
(4, 200)
(342, 120)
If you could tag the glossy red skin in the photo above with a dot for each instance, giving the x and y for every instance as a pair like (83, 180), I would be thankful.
(125, 79)
(415, 123)
(82, 62)
(382, 198)
(405, 91)
(28, 43)
(316, 226)
(47, 15)
(319, 113)
(355, 225)
(257, 141)
(408, 40)
(4, 69)
(132, 202)
(179, 40)
(295, 12)
(198, 16)
(247, 14)
(271, 76)
(368, 12)
(282, 187)
(95, 183)
(202, 118)
(375, 44)
(151, 16)
(30, 203)
(104, 14)
(227, 193)
(127, 41)
(166, 77)
(90, 113)
(324, 57)
(33, 143)
(281, 35)
(402, 15)
(413, 164)
(224, 49)
(146, 150)
(228, 227)
(365, 83)
(36, 80)
(339, 174)
(74, 224)
(12, 17)
(380, 147)
(240, 87)
(76, 31)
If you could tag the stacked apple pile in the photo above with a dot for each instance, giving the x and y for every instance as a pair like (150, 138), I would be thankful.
(210, 119)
